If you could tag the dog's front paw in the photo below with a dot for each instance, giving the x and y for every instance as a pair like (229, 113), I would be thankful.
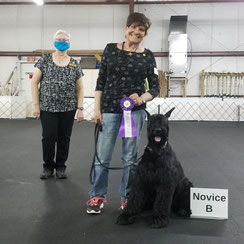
(184, 212)
(124, 219)
(160, 222)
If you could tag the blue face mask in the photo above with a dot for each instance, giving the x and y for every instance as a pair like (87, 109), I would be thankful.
(62, 45)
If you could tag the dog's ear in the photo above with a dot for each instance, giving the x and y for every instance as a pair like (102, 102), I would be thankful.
(148, 115)
(169, 112)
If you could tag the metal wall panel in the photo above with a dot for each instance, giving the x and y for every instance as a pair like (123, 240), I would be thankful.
(178, 46)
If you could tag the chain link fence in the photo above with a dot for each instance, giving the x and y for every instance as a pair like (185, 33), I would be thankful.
(192, 109)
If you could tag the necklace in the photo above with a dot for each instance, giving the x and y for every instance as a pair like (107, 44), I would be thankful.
(130, 52)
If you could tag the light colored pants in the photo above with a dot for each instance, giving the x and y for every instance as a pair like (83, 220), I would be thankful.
(105, 147)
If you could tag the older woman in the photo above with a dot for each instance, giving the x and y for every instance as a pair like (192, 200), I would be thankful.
(125, 67)
(59, 97)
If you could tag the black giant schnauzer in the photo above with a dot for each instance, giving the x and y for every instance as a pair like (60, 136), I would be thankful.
(159, 183)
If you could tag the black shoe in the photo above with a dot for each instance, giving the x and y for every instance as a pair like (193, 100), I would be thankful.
(46, 174)
(60, 174)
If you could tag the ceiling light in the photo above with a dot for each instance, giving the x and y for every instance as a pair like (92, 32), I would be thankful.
(38, 2)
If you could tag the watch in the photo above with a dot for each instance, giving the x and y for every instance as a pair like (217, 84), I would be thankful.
(80, 108)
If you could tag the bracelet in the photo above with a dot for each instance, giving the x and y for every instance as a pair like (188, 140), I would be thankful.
(80, 108)
(143, 100)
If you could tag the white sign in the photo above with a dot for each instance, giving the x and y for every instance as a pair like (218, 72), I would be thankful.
(209, 203)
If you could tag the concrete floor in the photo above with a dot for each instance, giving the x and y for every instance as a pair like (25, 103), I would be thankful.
(37, 212)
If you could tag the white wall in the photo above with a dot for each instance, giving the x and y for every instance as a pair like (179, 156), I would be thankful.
(211, 27)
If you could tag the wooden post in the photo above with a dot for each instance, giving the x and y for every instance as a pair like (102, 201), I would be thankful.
(131, 6)
(169, 79)
(184, 87)
(163, 83)
(202, 83)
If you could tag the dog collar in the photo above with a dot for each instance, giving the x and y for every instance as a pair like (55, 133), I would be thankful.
(164, 146)
(149, 148)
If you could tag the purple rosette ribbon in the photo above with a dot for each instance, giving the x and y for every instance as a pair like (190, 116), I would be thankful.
(127, 126)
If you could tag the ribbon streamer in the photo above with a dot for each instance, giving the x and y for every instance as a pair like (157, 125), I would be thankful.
(127, 126)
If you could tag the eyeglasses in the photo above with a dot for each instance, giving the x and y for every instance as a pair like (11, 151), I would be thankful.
(60, 39)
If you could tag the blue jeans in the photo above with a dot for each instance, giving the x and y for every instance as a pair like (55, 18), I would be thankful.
(105, 147)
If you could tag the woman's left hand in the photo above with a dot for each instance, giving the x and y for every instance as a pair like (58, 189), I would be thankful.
(136, 99)
(80, 116)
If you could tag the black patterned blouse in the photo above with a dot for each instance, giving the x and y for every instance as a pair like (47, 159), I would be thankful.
(57, 91)
(123, 73)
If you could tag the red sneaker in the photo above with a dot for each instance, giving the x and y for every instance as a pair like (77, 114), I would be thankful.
(123, 205)
(94, 205)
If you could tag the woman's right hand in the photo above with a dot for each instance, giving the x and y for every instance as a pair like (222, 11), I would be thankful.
(97, 116)
(36, 111)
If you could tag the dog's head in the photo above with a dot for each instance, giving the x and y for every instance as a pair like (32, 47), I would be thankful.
(158, 128)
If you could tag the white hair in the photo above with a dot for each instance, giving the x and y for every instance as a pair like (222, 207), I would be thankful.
(61, 32)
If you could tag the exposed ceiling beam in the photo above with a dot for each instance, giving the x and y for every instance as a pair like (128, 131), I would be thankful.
(156, 54)
(206, 54)
(187, 1)
(79, 2)
(114, 2)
